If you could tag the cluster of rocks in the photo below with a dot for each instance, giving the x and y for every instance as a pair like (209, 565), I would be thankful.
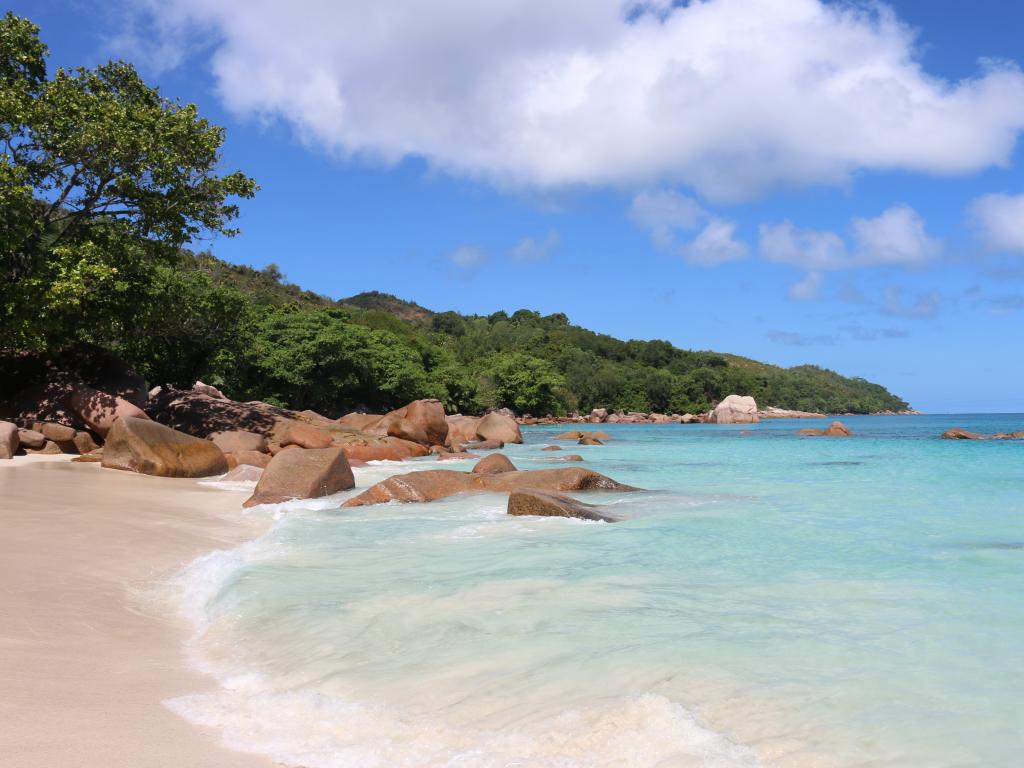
(583, 438)
(835, 429)
(958, 433)
(533, 492)
(44, 437)
(734, 409)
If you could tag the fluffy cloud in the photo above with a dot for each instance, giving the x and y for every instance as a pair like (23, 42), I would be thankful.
(716, 244)
(785, 244)
(728, 96)
(896, 237)
(529, 249)
(664, 213)
(999, 220)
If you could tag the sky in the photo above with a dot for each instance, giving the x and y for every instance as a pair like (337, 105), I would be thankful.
(797, 181)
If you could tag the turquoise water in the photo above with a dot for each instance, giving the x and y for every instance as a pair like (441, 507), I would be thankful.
(770, 600)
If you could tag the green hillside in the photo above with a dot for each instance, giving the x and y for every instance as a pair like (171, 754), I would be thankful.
(259, 337)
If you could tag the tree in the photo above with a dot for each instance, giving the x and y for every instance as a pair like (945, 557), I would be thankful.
(521, 382)
(102, 180)
(318, 359)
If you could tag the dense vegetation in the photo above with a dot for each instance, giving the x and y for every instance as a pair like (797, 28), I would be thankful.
(103, 183)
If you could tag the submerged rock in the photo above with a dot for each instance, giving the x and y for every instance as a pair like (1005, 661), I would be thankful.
(552, 448)
(548, 504)
(494, 464)
(307, 474)
(441, 483)
(589, 441)
(141, 445)
(567, 457)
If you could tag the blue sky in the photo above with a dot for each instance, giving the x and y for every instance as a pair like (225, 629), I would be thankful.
(789, 180)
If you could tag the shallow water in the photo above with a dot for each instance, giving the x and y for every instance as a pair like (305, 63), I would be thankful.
(770, 600)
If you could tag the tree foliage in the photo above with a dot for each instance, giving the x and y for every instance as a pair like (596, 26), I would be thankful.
(102, 182)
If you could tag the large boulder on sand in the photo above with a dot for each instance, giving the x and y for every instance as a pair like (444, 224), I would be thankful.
(99, 410)
(306, 436)
(360, 421)
(735, 409)
(9, 440)
(441, 483)
(236, 440)
(498, 427)
(421, 421)
(494, 464)
(395, 425)
(547, 504)
(307, 474)
(250, 458)
(29, 438)
(141, 445)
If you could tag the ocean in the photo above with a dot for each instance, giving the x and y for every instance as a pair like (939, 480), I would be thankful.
(769, 600)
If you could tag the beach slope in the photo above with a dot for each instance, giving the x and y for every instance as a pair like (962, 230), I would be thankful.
(85, 657)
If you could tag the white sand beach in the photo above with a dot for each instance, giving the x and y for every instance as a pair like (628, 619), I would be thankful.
(85, 663)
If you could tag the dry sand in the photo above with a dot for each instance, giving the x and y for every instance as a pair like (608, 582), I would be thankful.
(84, 664)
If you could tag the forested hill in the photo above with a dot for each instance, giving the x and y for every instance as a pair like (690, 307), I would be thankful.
(259, 337)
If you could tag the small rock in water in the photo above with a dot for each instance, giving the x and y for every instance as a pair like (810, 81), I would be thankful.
(547, 504)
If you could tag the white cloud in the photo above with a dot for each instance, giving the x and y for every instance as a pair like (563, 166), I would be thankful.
(664, 212)
(716, 244)
(467, 256)
(730, 97)
(999, 220)
(808, 288)
(529, 249)
(814, 250)
(896, 237)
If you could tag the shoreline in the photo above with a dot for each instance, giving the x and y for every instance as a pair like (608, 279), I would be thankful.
(84, 663)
